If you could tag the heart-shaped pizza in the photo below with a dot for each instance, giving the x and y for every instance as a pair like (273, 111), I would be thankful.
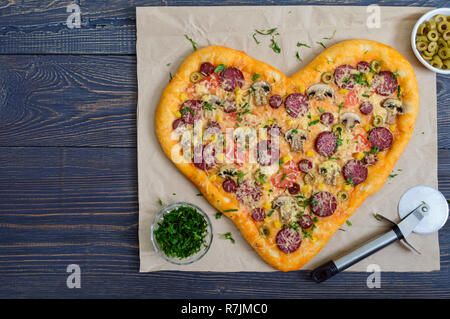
(289, 160)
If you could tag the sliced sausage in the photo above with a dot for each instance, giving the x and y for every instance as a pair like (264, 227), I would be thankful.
(385, 83)
(258, 214)
(230, 78)
(326, 143)
(275, 101)
(294, 189)
(363, 66)
(380, 137)
(206, 68)
(229, 185)
(205, 156)
(355, 172)
(305, 221)
(366, 108)
(327, 118)
(305, 165)
(267, 152)
(343, 76)
(288, 240)
(177, 123)
(296, 104)
(323, 204)
(191, 111)
(248, 193)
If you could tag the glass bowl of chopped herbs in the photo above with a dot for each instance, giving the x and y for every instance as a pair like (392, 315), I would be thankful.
(181, 233)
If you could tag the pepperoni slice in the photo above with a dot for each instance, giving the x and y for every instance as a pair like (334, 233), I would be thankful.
(294, 189)
(323, 204)
(287, 175)
(275, 101)
(205, 156)
(327, 118)
(258, 214)
(343, 76)
(326, 143)
(288, 240)
(366, 108)
(385, 83)
(380, 137)
(363, 66)
(248, 194)
(206, 68)
(191, 111)
(267, 152)
(177, 123)
(229, 185)
(296, 104)
(305, 221)
(305, 165)
(274, 130)
(355, 172)
(230, 78)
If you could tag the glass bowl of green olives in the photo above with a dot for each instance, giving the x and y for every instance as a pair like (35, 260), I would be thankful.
(430, 40)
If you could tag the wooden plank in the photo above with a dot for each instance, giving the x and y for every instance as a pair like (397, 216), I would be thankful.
(30, 27)
(91, 101)
(62, 206)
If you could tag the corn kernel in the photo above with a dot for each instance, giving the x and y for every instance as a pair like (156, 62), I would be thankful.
(367, 127)
(286, 158)
(277, 224)
(219, 118)
(267, 219)
(177, 114)
(183, 97)
(343, 91)
(347, 188)
(267, 205)
(266, 187)
(321, 186)
(306, 189)
(358, 156)
(213, 138)
(263, 135)
(220, 157)
(290, 122)
(369, 77)
(310, 153)
(392, 127)
(302, 89)
(315, 118)
(213, 177)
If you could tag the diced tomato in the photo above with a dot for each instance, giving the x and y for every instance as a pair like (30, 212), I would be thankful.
(236, 155)
(351, 98)
(286, 176)
(363, 144)
(210, 82)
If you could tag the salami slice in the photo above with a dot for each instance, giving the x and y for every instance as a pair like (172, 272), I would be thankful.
(258, 214)
(191, 110)
(355, 172)
(305, 165)
(230, 78)
(385, 83)
(327, 118)
(366, 108)
(305, 221)
(380, 137)
(267, 152)
(229, 185)
(206, 68)
(343, 76)
(177, 123)
(248, 193)
(323, 204)
(363, 66)
(205, 156)
(296, 104)
(275, 101)
(288, 240)
(326, 143)
(294, 189)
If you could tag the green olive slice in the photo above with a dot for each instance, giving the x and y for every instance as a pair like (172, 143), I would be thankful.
(422, 29)
(264, 231)
(432, 46)
(439, 17)
(443, 26)
(421, 46)
(375, 66)
(196, 76)
(431, 24)
(338, 129)
(436, 62)
(342, 196)
(425, 57)
(446, 64)
(422, 38)
(433, 35)
(377, 121)
(428, 53)
(309, 179)
(327, 77)
(446, 35)
(444, 53)
(442, 43)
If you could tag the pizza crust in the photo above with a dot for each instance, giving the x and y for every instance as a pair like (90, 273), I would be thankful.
(344, 52)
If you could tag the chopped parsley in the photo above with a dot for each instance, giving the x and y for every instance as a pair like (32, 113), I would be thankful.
(168, 64)
(274, 45)
(270, 213)
(399, 91)
(230, 210)
(297, 55)
(299, 44)
(330, 38)
(220, 68)
(218, 215)
(182, 231)
(255, 76)
(254, 38)
(194, 44)
(199, 194)
(365, 95)
(160, 202)
(313, 122)
(348, 223)
(321, 44)
(228, 236)
(268, 32)
(340, 106)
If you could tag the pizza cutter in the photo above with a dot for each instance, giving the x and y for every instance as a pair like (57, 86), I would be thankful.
(422, 210)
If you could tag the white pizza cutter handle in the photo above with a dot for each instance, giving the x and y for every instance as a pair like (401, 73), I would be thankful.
(398, 232)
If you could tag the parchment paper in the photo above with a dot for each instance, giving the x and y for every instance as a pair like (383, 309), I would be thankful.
(161, 40)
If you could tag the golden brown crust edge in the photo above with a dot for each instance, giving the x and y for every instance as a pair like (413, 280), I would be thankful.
(343, 52)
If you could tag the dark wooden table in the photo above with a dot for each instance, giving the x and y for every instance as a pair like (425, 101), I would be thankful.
(68, 184)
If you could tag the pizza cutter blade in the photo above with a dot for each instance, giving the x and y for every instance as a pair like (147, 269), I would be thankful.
(422, 210)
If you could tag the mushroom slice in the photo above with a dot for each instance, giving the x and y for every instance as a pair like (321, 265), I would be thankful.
(260, 90)
(330, 170)
(320, 91)
(393, 107)
(228, 171)
(211, 99)
(288, 208)
(296, 138)
(350, 120)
